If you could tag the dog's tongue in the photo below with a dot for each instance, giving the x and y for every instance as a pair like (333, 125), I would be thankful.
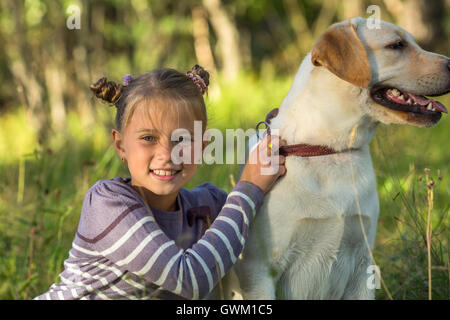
(424, 102)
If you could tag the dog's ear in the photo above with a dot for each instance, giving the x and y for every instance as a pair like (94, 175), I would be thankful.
(341, 51)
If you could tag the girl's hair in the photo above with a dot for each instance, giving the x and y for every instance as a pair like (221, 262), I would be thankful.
(166, 93)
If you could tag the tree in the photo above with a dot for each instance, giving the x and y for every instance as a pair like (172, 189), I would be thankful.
(227, 37)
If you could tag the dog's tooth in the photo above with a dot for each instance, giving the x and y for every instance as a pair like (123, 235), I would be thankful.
(395, 92)
(433, 109)
(430, 106)
(401, 97)
(409, 101)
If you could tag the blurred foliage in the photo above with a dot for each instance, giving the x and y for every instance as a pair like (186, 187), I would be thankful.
(55, 138)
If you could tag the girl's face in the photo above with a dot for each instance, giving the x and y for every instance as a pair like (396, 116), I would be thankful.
(147, 151)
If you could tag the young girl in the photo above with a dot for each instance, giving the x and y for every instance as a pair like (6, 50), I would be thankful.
(145, 236)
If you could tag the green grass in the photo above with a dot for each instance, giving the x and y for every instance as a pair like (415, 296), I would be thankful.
(43, 187)
(401, 155)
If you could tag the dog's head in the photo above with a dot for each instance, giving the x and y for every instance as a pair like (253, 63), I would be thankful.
(385, 61)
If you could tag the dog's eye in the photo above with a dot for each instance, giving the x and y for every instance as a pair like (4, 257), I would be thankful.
(396, 45)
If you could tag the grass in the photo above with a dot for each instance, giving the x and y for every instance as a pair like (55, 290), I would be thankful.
(406, 159)
(43, 187)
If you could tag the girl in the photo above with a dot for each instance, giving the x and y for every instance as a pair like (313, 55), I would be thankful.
(145, 236)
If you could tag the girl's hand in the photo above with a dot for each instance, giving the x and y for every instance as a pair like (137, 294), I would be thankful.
(264, 165)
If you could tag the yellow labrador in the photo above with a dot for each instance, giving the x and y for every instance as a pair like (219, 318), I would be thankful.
(307, 241)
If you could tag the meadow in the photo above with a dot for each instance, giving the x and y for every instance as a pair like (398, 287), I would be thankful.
(42, 189)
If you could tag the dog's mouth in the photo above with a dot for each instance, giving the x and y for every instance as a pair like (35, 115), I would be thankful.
(399, 100)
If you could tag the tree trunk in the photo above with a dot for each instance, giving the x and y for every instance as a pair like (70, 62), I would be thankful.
(20, 57)
(55, 68)
(201, 40)
(297, 20)
(29, 87)
(54, 79)
(227, 37)
(81, 67)
(325, 17)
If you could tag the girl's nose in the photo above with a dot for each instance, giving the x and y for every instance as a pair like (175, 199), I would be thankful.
(163, 151)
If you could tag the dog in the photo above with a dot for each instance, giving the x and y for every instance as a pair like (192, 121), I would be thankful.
(312, 235)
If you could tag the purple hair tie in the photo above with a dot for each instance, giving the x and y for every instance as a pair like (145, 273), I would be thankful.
(127, 79)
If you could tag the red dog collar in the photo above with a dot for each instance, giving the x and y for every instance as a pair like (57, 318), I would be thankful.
(305, 150)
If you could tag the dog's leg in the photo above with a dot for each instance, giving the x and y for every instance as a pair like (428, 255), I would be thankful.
(363, 280)
(257, 271)
(257, 281)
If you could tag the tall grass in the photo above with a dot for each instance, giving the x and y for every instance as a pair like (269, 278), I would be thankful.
(42, 188)
(406, 160)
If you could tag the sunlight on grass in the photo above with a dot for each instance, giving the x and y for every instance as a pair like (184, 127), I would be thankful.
(16, 136)
(245, 102)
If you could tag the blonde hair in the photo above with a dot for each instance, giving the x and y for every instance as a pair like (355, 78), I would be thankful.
(165, 93)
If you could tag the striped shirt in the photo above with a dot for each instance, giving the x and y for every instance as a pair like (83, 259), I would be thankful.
(125, 250)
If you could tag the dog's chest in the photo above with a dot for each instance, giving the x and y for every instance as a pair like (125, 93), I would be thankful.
(316, 207)
(324, 188)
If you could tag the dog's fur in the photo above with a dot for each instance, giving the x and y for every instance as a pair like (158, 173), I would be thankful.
(306, 241)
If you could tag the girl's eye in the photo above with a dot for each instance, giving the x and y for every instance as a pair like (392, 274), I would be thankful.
(149, 138)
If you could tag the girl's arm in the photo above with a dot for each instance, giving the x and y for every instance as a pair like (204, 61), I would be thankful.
(117, 226)
(134, 241)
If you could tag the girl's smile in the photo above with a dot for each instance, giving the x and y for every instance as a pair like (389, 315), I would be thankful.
(165, 174)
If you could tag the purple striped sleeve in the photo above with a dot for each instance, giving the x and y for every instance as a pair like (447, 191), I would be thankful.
(134, 242)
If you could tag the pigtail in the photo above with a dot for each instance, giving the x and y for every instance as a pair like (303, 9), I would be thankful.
(200, 77)
(108, 91)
